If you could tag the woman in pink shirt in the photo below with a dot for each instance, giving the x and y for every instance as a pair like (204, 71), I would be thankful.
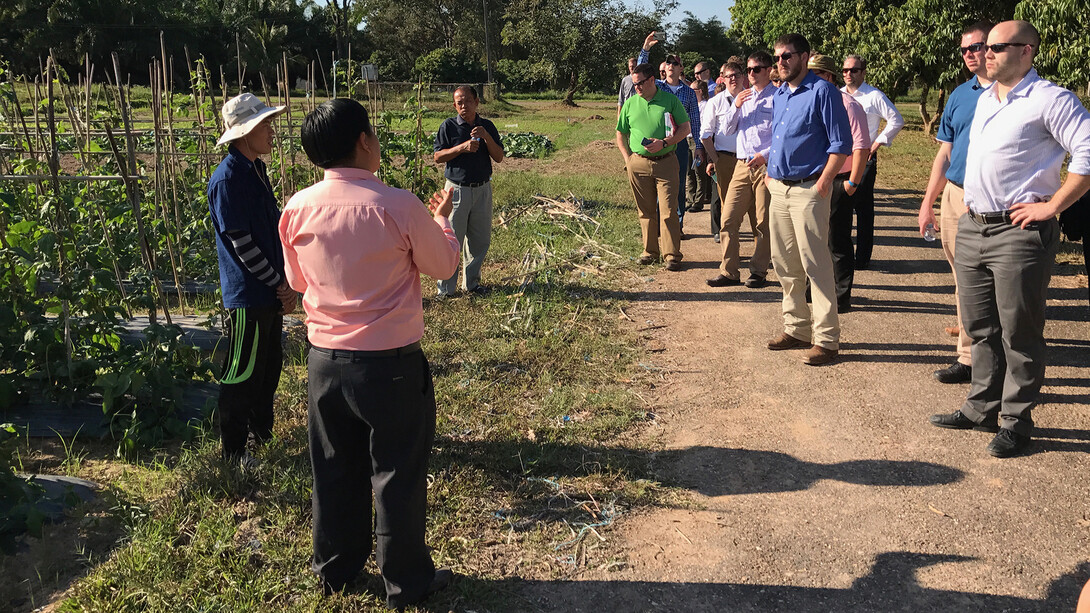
(355, 248)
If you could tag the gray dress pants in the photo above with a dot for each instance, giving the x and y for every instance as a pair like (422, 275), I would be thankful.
(1003, 273)
(471, 220)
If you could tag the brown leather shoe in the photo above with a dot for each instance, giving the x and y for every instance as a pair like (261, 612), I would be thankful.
(953, 330)
(819, 355)
(786, 341)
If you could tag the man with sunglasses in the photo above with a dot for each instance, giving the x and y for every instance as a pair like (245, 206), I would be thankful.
(648, 151)
(674, 84)
(720, 146)
(948, 178)
(747, 121)
(703, 72)
(878, 108)
(811, 138)
(1022, 129)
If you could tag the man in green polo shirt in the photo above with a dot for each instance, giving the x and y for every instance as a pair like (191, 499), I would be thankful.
(649, 127)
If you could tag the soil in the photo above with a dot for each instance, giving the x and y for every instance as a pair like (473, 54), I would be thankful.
(825, 488)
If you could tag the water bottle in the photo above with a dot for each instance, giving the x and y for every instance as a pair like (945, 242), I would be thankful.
(929, 232)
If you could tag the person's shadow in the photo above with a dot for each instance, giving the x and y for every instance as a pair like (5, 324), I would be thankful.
(716, 471)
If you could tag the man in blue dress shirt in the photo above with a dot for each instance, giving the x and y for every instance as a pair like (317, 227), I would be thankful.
(811, 138)
(948, 177)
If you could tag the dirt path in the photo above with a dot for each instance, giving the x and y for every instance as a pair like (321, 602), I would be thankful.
(825, 489)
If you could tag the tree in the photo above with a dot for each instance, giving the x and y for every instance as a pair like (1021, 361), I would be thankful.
(1064, 56)
(585, 39)
(708, 39)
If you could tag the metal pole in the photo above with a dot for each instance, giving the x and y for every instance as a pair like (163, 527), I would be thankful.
(487, 44)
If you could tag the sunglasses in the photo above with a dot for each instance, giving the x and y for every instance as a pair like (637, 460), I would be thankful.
(642, 81)
(703, 70)
(1001, 47)
(731, 76)
(673, 63)
(852, 70)
(784, 57)
(973, 48)
(756, 69)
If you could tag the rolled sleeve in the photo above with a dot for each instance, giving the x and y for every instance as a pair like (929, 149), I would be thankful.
(1069, 123)
(894, 121)
(835, 119)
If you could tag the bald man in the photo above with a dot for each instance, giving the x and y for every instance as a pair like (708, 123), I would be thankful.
(1023, 128)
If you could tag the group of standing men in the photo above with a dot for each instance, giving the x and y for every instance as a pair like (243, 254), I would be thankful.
(768, 164)
(803, 157)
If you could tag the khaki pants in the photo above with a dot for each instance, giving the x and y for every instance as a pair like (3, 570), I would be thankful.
(953, 207)
(655, 185)
(799, 221)
(745, 193)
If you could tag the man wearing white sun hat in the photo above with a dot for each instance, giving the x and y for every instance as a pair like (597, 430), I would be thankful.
(251, 264)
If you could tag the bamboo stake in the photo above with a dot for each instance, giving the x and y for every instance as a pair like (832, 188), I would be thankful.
(63, 227)
(133, 190)
(160, 168)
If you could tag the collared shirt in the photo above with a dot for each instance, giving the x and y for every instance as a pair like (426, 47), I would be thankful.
(641, 119)
(241, 199)
(713, 121)
(1017, 146)
(957, 117)
(683, 93)
(712, 87)
(467, 167)
(626, 91)
(878, 107)
(857, 118)
(808, 125)
(753, 123)
(355, 248)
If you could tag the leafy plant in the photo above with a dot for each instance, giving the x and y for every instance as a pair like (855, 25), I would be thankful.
(526, 145)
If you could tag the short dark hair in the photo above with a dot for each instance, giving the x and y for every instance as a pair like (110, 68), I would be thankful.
(330, 132)
(702, 86)
(858, 58)
(983, 26)
(795, 40)
(736, 67)
(762, 57)
(467, 89)
(644, 70)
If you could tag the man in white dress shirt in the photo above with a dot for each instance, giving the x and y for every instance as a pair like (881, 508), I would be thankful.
(878, 107)
(1023, 128)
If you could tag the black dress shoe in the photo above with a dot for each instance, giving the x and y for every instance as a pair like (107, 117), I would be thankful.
(958, 421)
(673, 265)
(954, 373)
(1008, 443)
(696, 208)
(843, 306)
(756, 282)
(723, 281)
(645, 260)
(440, 581)
(481, 290)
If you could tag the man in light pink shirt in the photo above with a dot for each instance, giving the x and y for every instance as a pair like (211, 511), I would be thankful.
(847, 181)
(355, 248)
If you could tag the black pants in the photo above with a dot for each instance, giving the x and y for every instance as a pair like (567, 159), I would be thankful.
(840, 241)
(251, 374)
(371, 424)
(864, 214)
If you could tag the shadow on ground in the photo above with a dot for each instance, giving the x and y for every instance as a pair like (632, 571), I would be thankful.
(890, 585)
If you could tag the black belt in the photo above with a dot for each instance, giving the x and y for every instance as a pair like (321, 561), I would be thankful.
(384, 353)
(730, 153)
(655, 157)
(956, 184)
(990, 218)
(792, 182)
(470, 184)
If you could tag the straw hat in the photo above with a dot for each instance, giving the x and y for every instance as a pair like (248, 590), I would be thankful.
(823, 62)
(242, 114)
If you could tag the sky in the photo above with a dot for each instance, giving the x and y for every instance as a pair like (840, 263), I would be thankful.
(703, 9)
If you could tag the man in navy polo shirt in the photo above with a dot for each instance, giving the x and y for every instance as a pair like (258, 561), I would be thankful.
(811, 138)
(251, 262)
(468, 144)
(948, 177)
